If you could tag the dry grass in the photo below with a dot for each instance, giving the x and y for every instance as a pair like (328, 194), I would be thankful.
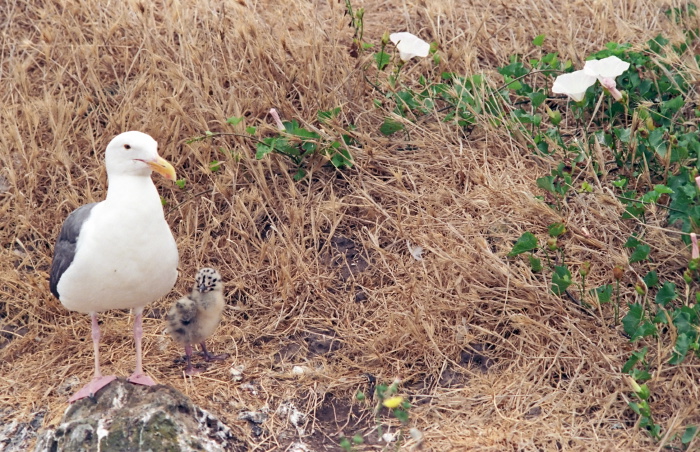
(76, 73)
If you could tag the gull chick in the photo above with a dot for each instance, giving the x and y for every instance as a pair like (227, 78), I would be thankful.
(194, 318)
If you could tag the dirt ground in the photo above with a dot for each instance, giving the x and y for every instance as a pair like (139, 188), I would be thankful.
(318, 273)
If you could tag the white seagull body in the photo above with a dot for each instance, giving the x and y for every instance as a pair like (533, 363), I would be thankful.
(118, 253)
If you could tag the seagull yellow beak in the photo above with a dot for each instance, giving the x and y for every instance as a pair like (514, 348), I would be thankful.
(162, 167)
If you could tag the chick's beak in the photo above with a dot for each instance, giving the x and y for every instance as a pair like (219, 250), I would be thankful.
(162, 167)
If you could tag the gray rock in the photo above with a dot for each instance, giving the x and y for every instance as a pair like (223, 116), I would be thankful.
(127, 417)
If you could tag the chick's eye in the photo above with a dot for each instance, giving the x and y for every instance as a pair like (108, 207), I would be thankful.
(127, 146)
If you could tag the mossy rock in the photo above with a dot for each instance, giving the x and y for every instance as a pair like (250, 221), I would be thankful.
(123, 416)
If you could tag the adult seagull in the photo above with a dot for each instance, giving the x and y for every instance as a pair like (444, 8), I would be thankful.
(118, 253)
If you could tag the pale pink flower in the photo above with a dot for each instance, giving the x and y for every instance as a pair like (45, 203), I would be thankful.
(277, 119)
(696, 251)
(611, 86)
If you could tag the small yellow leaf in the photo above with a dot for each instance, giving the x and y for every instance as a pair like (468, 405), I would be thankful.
(393, 402)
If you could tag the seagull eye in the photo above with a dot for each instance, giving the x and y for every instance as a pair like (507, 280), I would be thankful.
(127, 146)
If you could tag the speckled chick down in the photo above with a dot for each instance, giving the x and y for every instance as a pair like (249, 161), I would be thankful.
(194, 318)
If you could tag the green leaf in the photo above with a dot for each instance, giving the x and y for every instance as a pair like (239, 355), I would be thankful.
(324, 116)
(535, 264)
(683, 342)
(689, 434)
(250, 130)
(345, 444)
(537, 98)
(389, 126)
(526, 242)
(651, 279)
(644, 393)
(215, 166)
(299, 175)
(666, 293)
(561, 279)
(539, 40)
(657, 141)
(634, 359)
(634, 324)
(401, 415)
(556, 229)
(382, 59)
(659, 188)
(547, 183)
(673, 105)
(234, 120)
(640, 253)
(604, 293)
(263, 149)
(180, 183)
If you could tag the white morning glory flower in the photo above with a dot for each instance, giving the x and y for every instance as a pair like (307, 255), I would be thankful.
(573, 84)
(609, 67)
(576, 83)
(409, 45)
(606, 70)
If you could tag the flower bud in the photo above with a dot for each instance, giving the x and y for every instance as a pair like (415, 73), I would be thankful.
(385, 38)
(618, 273)
(585, 269)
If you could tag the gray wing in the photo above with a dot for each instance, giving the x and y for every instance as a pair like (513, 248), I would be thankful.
(64, 251)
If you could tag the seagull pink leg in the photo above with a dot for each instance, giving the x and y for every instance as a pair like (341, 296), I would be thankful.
(190, 369)
(138, 377)
(98, 382)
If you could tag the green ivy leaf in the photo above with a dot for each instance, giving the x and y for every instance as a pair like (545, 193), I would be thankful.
(666, 293)
(526, 242)
(634, 324)
(234, 120)
(651, 279)
(640, 253)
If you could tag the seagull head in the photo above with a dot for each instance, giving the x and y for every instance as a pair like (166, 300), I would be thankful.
(207, 280)
(136, 153)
